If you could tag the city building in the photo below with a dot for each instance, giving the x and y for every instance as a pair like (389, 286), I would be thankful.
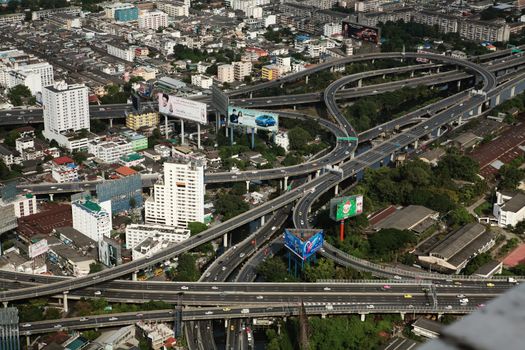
(7, 217)
(91, 218)
(109, 151)
(509, 208)
(120, 50)
(66, 110)
(70, 260)
(415, 218)
(138, 141)
(17, 67)
(174, 10)
(424, 327)
(116, 339)
(43, 223)
(12, 18)
(144, 120)
(271, 72)
(132, 159)
(457, 248)
(24, 205)
(242, 69)
(64, 169)
(148, 247)
(124, 193)
(9, 333)
(489, 269)
(225, 73)
(136, 233)
(156, 334)
(201, 81)
(331, 29)
(178, 198)
(126, 13)
(153, 20)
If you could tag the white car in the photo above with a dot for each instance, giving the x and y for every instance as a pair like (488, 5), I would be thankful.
(370, 306)
(259, 297)
(327, 288)
(113, 318)
(27, 325)
(82, 319)
(208, 313)
(214, 287)
(223, 268)
(98, 292)
(184, 288)
(274, 228)
(242, 255)
(461, 296)
(58, 326)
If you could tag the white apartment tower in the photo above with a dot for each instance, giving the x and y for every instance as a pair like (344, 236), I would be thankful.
(241, 69)
(225, 73)
(179, 197)
(153, 20)
(66, 108)
(92, 219)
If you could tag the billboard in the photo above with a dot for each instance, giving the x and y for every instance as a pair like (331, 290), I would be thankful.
(345, 207)
(38, 248)
(219, 100)
(303, 242)
(360, 32)
(182, 108)
(250, 118)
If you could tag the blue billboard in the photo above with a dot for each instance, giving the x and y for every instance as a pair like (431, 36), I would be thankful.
(303, 242)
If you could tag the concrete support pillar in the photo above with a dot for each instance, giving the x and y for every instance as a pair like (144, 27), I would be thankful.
(294, 107)
(248, 186)
(317, 173)
(460, 120)
(363, 317)
(51, 196)
(4, 303)
(323, 315)
(480, 109)
(437, 70)
(373, 61)
(217, 122)
(225, 240)
(416, 144)
(402, 316)
(459, 84)
(384, 76)
(352, 155)
(309, 177)
(439, 132)
(498, 98)
(281, 86)
(336, 190)
(251, 94)
(198, 136)
(411, 74)
(285, 182)
(226, 131)
(281, 184)
(110, 122)
(360, 83)
(181, 132)
(134, 276)
(262, 220)
(306, 79)
(513, 91)
(440, 315)
(167, 134)
(28, 341)
(392, 157)
(66, 307)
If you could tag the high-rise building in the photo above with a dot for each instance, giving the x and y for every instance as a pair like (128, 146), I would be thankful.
(144, 120)
(153, 20)
(123, 193)
(225, 73)
(92, 219)
(242, 69)
(9, 334)
(17, 67)
(174, 10)
(66, 109)
(178, 198)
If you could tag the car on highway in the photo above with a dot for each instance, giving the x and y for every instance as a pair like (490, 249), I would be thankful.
(481, 305)
(58, 326)
(208, 274)
(457, 283)
(490, 285)
(408, 296)
(242, 255)
(449, 307)
(140, 315)
(98, 292)
(370, 306)
(226, 309)
(265, 120)
(259, 297)
(184, 288)
(327, 288)
(223, 268)
(26, 325)
(396, 277)
(82, 319)
(274, 228)
(460, 296)
(410, 306)
(214, 287)
(113, 319)
(386, 287)
(208, 313)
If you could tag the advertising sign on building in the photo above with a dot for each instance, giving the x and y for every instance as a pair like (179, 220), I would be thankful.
(38, 248)
(182, 108)
(219, 100)
(303, 242)
(346, 207)
(250, 118)
(360, 32)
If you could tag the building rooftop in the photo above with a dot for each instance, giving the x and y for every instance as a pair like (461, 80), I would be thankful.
(487, 268)
(69, 253)
(76, 237)
(515, 204)
(428, 325)
(406, 218)
(125, 171)
(458, 240)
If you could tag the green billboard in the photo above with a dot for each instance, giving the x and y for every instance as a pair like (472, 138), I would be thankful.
(345, 207)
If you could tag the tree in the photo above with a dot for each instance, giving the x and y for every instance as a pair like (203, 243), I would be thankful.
(10, 139)
(132, 202)
(476, 263)
(324, 269)
(52, 313)
(95, 267)
(298, 138)
(91, 334)
(196, 227)
(275, 270)
(229, 206)
(386, 243)
(186, 269)
(79, 157)
(511, 176)
(18, 92)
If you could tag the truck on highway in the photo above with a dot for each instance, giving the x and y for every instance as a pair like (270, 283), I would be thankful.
(512, 280)
(245, 311)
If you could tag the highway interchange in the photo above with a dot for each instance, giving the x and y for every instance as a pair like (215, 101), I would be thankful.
(362, 295)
